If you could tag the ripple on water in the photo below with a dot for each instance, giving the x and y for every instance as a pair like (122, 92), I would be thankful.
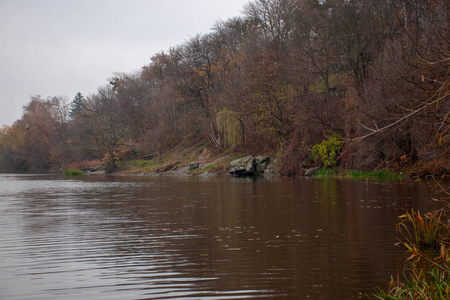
(193, 238)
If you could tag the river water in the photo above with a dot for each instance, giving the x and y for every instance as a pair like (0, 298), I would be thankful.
(97, 237)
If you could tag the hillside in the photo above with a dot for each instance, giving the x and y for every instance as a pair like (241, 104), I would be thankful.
(356, 84)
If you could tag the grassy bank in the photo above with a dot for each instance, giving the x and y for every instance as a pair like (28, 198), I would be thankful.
(376, 175)
(180, 160)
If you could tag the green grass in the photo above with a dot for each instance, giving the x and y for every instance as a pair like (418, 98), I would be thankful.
(141, 165)
(201, 170)
(326, 173)
(208, 167)
(376, 175)
(380, 175)
(73, 173)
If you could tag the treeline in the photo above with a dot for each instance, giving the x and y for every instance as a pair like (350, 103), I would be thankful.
(285, 76)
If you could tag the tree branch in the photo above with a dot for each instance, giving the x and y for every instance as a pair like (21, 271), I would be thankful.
(379, 130)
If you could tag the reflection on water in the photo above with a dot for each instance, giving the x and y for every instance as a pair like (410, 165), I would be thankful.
(198, 238)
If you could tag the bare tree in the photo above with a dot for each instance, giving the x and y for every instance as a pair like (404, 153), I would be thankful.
(103, 111)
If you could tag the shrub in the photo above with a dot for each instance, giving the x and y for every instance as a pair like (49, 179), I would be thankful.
(328, 151)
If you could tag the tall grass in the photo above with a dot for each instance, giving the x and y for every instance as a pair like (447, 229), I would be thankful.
(424, 231)
(433, 286)
(427, 241)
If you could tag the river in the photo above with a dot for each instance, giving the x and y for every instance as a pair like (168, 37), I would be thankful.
(123, 237)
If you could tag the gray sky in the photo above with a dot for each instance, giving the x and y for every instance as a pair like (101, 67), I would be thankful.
(61, 47)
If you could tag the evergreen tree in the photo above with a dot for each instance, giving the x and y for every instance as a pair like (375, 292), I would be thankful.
(77, 105)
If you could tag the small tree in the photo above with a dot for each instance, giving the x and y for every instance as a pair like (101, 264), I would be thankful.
(230, 126)
(104, 120)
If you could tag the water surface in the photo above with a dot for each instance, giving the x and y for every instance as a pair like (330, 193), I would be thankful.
(199, 238)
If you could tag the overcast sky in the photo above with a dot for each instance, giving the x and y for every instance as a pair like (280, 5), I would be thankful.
(61, 47)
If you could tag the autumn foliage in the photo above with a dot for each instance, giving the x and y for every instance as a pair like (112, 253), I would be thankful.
(280, 80)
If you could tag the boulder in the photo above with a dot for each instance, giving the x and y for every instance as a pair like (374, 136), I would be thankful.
(92, 169)
(261, 163)
(312, 171)
(243, 166)
(194, 166)
(249, 165)
(272, 166)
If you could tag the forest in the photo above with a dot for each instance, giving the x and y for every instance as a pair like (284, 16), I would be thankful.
(369, 78)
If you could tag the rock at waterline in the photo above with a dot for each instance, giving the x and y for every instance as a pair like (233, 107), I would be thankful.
(261, 163)
(249, 165)
(312, 171)
(243, 166)
(92, 169)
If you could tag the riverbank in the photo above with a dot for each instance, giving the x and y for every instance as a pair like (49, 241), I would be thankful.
(182, 162)
(204, 162)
